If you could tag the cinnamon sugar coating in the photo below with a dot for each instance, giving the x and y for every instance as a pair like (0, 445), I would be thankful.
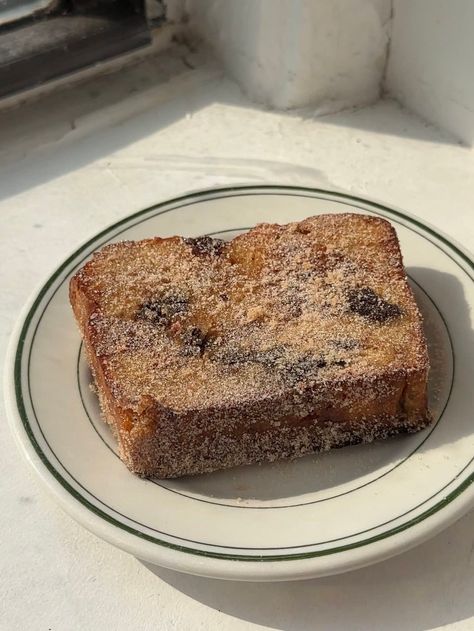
(285, 340)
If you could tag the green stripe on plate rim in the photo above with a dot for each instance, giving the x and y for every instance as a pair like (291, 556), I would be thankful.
(179, 202)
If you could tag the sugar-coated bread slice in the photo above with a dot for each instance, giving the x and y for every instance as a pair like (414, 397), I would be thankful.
(284, 341)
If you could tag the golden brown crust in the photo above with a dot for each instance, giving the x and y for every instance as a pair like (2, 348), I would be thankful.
(286, 340)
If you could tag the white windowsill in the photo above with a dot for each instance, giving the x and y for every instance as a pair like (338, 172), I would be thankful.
(80, 159)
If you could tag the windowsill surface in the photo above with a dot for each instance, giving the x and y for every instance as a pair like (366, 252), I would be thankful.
(80, 159)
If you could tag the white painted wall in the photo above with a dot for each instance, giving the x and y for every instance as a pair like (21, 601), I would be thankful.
(431, 64)
(292, 53)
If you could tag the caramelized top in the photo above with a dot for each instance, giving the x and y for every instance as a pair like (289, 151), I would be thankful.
(198, 323)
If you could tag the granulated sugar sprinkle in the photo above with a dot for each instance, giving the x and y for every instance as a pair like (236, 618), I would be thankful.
(198, 323)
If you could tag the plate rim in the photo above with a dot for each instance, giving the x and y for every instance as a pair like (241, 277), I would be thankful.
(75, 503)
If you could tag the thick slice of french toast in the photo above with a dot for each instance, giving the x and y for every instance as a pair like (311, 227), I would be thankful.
(284, 341)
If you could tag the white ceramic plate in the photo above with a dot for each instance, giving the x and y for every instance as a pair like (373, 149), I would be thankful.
(319, 515)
